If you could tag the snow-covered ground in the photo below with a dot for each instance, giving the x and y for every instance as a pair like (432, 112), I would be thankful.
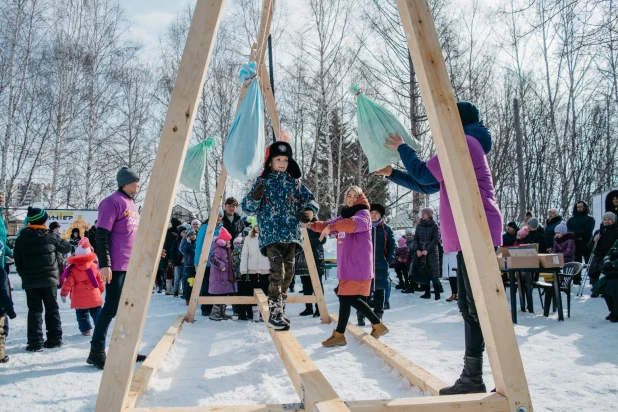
(570, 365)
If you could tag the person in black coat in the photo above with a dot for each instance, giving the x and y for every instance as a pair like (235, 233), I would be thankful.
(36, 260)
(582, 225)
(510, 236)
(611, 202)
(425, 252)
(92, 234)
(553, 220)
(301, 268)
(536, 235)
(232, 221)
(601, 243)
(610, 292)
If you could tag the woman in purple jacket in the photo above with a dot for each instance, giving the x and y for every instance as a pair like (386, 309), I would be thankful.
(222, 276)
(354, 263)
(564, 242)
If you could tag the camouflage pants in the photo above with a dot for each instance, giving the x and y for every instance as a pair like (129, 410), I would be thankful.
(281, 257)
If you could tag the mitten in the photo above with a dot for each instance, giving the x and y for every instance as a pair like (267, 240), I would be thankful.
(258, 192)
(63, 299)
(305, 216)
(190, 281)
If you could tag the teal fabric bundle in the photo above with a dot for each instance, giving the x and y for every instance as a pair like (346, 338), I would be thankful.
(375, 124)
(246, 144)
(195, 164)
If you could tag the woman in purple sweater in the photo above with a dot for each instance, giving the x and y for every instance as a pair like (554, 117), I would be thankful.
(354, 263)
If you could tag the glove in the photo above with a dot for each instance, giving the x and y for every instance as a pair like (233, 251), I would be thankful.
(190, 281)
(258, 192)
(63, 299)
(12, 314)
(305, 216)
(608, 265)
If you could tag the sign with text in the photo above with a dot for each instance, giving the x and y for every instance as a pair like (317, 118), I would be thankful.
(71, 219)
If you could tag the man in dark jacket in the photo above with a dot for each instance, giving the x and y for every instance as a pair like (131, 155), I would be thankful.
(553, 219)
(232, 221)
(582, 225)
(536, 235)
(602, 242)
(384, 246)
(36, 260)
(511, 234)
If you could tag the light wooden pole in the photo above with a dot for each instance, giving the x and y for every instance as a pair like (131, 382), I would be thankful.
(465, 199)
(145, 256)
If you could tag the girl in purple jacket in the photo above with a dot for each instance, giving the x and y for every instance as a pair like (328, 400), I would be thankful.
(354, 263)
(222, 277)
(564, 242)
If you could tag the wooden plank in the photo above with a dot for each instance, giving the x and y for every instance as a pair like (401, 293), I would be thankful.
(465, 200)
(477, 402)
(269, 97)
(265, 23)
(315, 278)
(149, 367)
(239, 408)
(248, 300)
(146, 253)
(305, 375)
(416, 375)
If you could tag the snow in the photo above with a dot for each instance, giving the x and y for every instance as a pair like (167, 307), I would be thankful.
(570, 365)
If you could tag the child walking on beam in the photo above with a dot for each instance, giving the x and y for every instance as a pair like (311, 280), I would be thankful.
(281, 202)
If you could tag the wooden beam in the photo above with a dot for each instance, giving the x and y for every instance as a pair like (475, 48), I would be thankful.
(269, 97)
(477, 402)
(141, 378)
(145, 256)
(416, 375)
(315, 278)
(465, 200)
(248, 300)
(239, 408)
(307, 379)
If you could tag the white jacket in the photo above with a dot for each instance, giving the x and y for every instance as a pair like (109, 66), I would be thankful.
(251, 259)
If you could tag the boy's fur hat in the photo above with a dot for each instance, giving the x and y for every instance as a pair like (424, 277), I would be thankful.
(281, 149)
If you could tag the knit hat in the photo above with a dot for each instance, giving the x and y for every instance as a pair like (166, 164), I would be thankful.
(523, 232)
(181, 229)
(409, 231)
(237, 241)
(175, 222)
(561, 228)
(468, 113)
(513, 225)
(53, 225)
(83, 247)
(610, 215)
(533, 222)
(190, 232)
(401, 241)
(427, 210)
(378, 208)
(224, 235)
(251, 220)
(36, 216)
(281, 149)
(126, 176)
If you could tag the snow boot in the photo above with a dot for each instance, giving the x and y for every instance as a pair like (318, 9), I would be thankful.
(361, 319)
(308, 310)
(378, 330)
(5, 359)
(242, 313)
(387, 305)
(285, 318)
(471, 379)
(175, 294)
(410, 287)
(222, 309)
(336, 339)
(452, 298)
(34, 348)
(140, 358)
(256, 314)
(427, 294)
(275, 320)
(96, 359)
(51, 344)
(316, 313)
(215, 313)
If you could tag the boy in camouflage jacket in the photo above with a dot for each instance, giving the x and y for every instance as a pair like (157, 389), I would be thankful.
(281, 204)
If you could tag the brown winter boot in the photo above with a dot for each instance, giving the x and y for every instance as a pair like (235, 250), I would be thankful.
(378, 330)
(187, 302)
(336, 339)
(452, 298)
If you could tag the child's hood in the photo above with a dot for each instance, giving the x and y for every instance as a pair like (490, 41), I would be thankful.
(82, 262)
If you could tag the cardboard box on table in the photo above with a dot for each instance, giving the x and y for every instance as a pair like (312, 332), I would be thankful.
(551, 260)
(521, 257)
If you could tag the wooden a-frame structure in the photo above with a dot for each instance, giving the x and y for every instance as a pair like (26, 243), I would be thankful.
(121, 389)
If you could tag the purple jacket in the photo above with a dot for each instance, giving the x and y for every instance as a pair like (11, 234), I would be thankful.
(221, 269)
(403, 253)
(450, 239)
(566, 246)
(354, 250)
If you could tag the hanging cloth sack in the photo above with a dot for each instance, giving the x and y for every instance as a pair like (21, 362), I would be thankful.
(195, 164)
(375, 124)
(246, 143)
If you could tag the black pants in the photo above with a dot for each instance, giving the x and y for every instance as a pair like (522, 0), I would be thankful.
(402, 273)
(453, 283)
(308, 287)
(377, 302)
(612, 305)
(245, 288)
(475, 343)
(581, 251)
(110, 307)
(204, 292)
(36, 299)
(357, 302)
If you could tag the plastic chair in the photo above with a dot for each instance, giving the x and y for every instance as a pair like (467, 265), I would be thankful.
(569, 271)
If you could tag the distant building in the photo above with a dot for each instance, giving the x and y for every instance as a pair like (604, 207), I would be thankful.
(182, 214)
(29, 194)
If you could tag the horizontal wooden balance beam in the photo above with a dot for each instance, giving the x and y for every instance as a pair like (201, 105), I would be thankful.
(416, 375)
(149, 367)
(311, 386)
(249, 300)
(477, 402)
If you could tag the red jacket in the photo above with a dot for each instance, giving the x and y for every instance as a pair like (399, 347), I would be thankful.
(77, 282)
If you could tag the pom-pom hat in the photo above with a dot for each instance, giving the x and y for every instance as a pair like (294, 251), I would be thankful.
(36, 216)
(281, 148)
(224, 235)
(83, 247)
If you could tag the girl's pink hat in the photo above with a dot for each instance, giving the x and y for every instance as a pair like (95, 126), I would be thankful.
(402, 241)
(224, 235)
(83, 247)
(523, 232)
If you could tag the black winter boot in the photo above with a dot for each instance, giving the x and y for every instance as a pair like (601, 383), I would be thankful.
(275, 319)
(308, 310)
(427, 294)
(361, 319)
(96, 359)
(316, 313)
(471, 379)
